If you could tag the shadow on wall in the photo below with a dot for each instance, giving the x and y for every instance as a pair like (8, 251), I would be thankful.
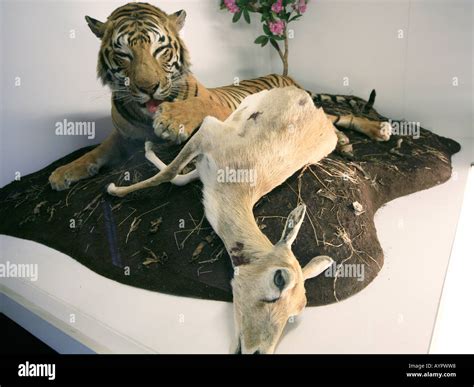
(82, 129)
(64, 134)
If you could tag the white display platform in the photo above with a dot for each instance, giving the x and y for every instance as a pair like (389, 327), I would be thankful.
(396, 313)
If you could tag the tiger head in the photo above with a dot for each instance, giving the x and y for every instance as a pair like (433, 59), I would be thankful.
(142, 58)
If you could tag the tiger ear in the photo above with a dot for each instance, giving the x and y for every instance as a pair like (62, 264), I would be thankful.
(179, 18)
(96, 26)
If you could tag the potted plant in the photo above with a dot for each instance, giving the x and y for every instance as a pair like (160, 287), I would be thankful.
(275, 17)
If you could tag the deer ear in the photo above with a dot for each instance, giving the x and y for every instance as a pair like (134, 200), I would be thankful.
(316, 266)
(179, 18)
(293, 224)
(96, 26)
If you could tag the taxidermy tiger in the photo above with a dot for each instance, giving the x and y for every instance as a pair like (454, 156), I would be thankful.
(154, 94)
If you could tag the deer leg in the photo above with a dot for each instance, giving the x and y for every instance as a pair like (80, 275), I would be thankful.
(155, 160)
(167, 174)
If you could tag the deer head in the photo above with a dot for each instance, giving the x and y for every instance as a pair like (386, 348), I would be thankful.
(269, 288)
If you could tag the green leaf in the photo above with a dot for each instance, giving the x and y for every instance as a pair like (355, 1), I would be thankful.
(296, 17)
(266, 29)
(236, 17)
(246, 16)
(274, 43)
(262, 39)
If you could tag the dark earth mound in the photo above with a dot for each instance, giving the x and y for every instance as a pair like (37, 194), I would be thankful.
(158, 239)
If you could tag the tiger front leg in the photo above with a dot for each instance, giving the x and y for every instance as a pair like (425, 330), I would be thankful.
(176, 121)
(87, 165)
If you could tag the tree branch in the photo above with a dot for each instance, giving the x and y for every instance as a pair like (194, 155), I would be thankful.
(277, 47)
(285, 55)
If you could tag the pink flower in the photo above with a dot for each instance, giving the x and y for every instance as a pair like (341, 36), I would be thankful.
(278, 6)
(277, 27)
(302, 6)
(231, 6)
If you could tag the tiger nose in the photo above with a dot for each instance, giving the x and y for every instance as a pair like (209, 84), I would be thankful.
(149, 89)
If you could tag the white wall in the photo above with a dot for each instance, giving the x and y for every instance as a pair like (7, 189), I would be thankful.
(412, 75)
(334, 39)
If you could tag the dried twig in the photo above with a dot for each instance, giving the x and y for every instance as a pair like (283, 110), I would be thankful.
(154, 258)
(155, 225)
(133, 227)
(128, 216)
(37, 208)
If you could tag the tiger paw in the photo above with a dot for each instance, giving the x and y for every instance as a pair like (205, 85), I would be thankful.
(64, 176)
(375, 130)
(380, 131)
(385, 131)
(175, 121)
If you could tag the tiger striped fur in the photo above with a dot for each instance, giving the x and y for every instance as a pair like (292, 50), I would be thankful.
(146, 65)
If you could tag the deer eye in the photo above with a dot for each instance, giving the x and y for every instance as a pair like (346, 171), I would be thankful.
(279, 280)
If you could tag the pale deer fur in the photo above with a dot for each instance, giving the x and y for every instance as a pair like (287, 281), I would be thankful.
(272, 134)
